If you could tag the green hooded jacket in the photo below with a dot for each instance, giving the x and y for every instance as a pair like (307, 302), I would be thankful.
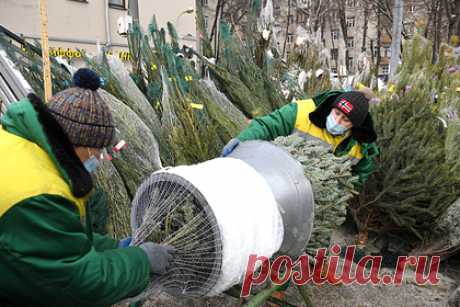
(48, 255)
(287, 120)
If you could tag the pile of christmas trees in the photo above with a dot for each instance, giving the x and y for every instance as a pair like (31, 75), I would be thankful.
(417, 125)
(171, 114)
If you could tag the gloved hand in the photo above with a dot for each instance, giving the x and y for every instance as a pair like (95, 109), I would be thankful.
(124, 242)
(160, 256)
(231, 145)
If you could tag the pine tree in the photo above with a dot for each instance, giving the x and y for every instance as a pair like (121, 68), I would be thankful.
(414, 183)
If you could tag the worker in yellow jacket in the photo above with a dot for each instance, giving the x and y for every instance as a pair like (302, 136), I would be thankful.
(339, 119)
(49, 255)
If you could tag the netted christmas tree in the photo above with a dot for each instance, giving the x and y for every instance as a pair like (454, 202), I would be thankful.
(27, 58)
(332, 184)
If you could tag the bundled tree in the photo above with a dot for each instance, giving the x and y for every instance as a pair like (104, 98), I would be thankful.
(332, 184)
(27, 58)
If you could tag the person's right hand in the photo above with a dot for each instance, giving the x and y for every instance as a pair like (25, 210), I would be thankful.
(231, 145)
(160, 256)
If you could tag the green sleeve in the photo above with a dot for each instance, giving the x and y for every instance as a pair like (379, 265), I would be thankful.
(104, 242)
(366, 166)
(363, 169)
(278, 123)
(96, 207)
(44, 243)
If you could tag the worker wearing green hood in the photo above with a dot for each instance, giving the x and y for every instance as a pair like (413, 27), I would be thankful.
(340, 120)
(49, 255)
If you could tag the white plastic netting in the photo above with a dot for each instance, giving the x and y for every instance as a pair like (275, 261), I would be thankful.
(142, 148)
(216, 214)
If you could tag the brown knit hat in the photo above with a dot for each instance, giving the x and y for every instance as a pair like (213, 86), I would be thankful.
(82, 113)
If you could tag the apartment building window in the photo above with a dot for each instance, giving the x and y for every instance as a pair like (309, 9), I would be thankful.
(334, 14)
(334, 54)
(117, 4)
(204, 2)
(291, 19)
(375, 51)
(351, 3)
(350, 62)
(335, 34)
(290, 38)
(300, 17)
(385, 69)
(350, 22)
(334, 70)
(386, 51)
(350, 42)
(206, 21)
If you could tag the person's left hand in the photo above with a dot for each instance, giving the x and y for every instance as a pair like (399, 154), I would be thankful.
(124, 242)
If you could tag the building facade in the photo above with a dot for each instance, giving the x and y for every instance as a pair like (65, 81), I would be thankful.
(90, 25)
(359, 17)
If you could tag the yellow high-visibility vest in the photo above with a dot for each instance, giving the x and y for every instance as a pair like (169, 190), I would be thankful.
(304, 125)
(26, 171)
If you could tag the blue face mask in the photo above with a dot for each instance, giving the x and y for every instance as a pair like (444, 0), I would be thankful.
(91, 164)
(333, 127)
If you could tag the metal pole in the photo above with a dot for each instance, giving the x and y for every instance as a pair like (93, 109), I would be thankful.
(133, 10)
(45, 51)
(108, 34)
(396, 39)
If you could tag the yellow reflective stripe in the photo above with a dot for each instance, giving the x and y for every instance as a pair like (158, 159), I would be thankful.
(27, 171)
(355, 152)
(304, 125)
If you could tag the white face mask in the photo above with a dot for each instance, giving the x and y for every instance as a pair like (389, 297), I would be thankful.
(333, 127)
(91, 164)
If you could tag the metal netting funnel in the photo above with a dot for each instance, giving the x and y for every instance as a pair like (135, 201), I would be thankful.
(220, 212)
(291, 189)
(169, 209)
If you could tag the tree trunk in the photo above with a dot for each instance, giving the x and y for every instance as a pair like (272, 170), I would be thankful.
(379, 35)
(219, 5)
(398, 15)
(287, 28)
(450, 20)
(366, 21)
(336, 60)
(430, 19)
(452, 10)
(343, 26)
(456, 26)
(436, 30)
(323, 26)
(372, 52)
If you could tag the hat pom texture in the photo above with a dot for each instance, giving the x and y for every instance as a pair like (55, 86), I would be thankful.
(87, 79)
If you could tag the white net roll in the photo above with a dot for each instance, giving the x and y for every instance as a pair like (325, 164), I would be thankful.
(246, 213)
